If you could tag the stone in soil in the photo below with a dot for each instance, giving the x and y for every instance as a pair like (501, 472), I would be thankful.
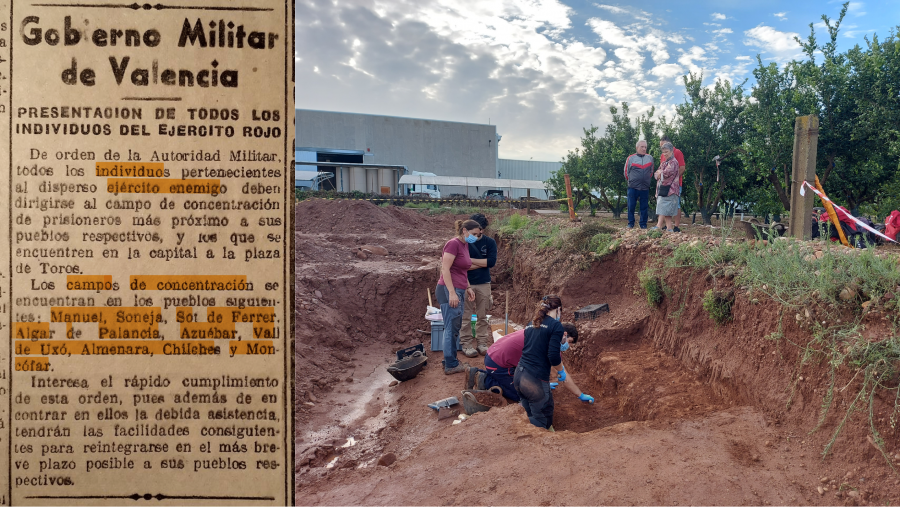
(387, 460)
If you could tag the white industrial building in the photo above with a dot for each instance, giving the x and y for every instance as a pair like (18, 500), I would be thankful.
(378, 150)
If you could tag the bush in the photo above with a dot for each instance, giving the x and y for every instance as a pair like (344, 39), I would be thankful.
(513, 224)
(651, 285)
(718, 305)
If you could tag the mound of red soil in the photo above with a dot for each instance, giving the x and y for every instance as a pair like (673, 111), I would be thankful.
(318, 216)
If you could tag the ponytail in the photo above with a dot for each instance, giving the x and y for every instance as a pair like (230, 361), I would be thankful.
(467, 225)
(547, 303)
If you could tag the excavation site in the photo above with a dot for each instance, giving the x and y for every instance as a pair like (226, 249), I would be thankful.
(726, 371)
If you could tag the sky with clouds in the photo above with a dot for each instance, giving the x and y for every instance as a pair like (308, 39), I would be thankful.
(542, 69)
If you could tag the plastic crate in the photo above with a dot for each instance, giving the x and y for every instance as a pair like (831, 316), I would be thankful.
(437, 337)
(591, 311)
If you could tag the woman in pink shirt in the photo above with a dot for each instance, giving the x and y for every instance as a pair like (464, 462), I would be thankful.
(453, 286)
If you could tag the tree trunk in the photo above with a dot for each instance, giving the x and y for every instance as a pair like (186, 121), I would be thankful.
(617, 210)
(705, 215)
(782, 195)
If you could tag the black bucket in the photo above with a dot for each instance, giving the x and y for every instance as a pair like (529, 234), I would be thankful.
(408, 367)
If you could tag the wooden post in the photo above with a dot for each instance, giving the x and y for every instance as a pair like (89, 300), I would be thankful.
(569, 196)
(806, 136)
(527, 202)
(506, 326)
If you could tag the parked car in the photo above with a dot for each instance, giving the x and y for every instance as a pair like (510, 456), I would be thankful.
(494, 195)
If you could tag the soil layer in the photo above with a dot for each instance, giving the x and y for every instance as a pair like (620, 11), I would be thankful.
(687, 412)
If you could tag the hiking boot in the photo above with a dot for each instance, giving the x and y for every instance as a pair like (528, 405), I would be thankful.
(479, 380)
(482, 349)
(461, 367)
(470, 376)
(470, 352)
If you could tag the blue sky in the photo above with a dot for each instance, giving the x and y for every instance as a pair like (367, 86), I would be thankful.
(543, 69)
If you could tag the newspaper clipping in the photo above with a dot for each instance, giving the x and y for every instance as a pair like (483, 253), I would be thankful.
(145, 286)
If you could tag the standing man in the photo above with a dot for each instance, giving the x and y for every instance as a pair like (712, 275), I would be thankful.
(484, 255)
(681, 167)
(638, 172)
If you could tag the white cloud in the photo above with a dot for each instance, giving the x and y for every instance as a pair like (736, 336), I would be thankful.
(775, 44)
(519, 62)
(639, 14)
(856, 9)
(695, 53)
(743, 58)
(781, 16)
(668, 70)
(718, 15)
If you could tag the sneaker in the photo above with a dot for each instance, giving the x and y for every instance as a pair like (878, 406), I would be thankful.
(470, 352)
(482, 350)
(479, 380)
(470, 376)
(461, 367)
(676, 229)
(631, 227)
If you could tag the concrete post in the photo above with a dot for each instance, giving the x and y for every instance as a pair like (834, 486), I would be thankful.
(527, 201)
(806, 137)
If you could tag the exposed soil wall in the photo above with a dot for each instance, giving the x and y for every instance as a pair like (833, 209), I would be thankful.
(686, 411)
(739, 361)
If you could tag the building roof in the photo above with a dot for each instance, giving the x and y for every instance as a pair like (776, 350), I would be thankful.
(463, 181)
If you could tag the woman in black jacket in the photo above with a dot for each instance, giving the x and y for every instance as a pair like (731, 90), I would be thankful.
(543, 341)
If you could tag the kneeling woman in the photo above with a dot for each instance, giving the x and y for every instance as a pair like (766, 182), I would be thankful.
(543, 342)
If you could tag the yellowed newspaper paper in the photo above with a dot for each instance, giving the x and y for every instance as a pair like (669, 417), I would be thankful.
(145, 258)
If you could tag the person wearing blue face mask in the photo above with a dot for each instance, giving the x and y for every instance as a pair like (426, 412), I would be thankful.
(502, 358)
(452, 287)
(540, 354)
(483, 252)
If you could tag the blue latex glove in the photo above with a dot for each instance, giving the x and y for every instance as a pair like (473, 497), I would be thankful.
(553, 385)
(584, 397)
(562, 376)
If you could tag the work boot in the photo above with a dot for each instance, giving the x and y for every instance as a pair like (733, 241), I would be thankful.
(482, 349)
(461, 367)
(479, 380)
(470, 376)
(470, 352)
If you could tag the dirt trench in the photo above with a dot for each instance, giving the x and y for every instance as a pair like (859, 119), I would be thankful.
(686, 412)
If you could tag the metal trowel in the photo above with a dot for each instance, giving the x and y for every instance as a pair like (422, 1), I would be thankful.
(447, 413)
(446, 402)
(444, 407)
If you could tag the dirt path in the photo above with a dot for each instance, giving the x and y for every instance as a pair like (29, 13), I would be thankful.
(673, 423)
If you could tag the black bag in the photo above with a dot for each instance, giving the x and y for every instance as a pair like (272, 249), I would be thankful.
(664, 190)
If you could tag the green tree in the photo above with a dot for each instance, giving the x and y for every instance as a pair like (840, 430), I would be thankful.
(613, 149)
(710, 123)
(580, 165)
(769, 138)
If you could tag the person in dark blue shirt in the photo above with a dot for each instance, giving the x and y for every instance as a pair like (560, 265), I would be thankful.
(541, 353)
(483, 253)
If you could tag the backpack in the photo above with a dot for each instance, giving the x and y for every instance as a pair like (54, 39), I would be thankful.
(892, 225)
